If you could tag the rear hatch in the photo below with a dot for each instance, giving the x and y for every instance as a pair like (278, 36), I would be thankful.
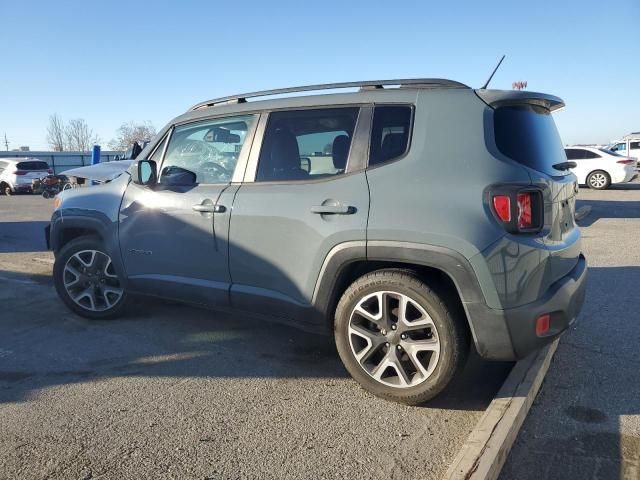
(30, 169)
(526, 132)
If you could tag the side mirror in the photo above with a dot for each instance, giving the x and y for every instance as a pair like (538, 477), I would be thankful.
(144, 172)
(305, 164)
(177, 176)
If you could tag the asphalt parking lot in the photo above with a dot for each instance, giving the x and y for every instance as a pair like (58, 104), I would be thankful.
(173, 391)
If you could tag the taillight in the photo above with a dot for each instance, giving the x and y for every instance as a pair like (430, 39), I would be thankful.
(502, 204)
(524, 210)
(20, 172)
(520, 210)
(628, 161)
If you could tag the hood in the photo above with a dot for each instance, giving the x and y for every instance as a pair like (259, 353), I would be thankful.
(100, 172)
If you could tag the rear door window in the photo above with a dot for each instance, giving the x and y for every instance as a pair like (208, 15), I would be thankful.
(574, 154)
(304, 145)
(589, 154)
(528, 135)
(32, 165)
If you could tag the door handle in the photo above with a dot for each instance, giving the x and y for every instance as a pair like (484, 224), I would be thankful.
(209, 208)
(333, 209)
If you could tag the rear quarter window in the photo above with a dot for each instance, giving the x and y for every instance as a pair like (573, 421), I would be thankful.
(528, 135)
(32, 165)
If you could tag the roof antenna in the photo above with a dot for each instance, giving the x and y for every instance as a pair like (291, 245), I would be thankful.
(493, 73)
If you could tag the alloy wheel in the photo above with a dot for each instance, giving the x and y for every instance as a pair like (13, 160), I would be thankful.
(91, 282)
(394, 339)
(598, 180)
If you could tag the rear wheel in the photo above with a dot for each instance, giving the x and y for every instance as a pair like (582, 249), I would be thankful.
(86, 280)
(599, 180)
(398, 338)
(5, 189)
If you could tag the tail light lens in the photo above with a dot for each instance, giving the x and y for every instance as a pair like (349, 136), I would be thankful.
(524, 210)
(20, 172)
(519, 210)
(628, 161)
(502, 205)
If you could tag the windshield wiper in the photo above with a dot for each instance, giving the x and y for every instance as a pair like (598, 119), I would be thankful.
(565, 165)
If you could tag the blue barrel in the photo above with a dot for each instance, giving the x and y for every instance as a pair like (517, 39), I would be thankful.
(95, 159)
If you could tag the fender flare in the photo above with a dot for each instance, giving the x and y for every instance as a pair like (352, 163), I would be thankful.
(97, 222)
(454, 264)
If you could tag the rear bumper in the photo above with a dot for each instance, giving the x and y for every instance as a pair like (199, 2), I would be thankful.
(511, 334)
(22, 187)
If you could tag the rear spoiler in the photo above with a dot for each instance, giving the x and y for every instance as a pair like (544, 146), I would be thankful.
(502, 98)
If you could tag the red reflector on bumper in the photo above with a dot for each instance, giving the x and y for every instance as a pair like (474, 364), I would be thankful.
(542, 324)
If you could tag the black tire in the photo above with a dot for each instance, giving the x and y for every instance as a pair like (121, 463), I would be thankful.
(599, 180)
(70, 249)
(446, 315)
(6, 190)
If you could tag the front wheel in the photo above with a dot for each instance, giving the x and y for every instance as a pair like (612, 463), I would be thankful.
(599, 180)
(86, 279)
(398, 338)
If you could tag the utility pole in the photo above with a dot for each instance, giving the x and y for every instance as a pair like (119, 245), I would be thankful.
(6, 142)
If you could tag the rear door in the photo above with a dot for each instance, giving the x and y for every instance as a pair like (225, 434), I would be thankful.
(29, 170)
(173, 236)
(582, 166)
(305, 193)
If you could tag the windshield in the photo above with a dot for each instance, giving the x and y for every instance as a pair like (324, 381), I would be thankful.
(528, 135)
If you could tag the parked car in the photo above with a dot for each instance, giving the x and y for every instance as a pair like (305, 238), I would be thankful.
(403, 260)
(599, 168)
(629, 146)
(16, 174)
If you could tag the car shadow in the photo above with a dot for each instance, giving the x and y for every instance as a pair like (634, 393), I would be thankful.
(159, 338)
(18, 237)
(575, 429)
(607, 209)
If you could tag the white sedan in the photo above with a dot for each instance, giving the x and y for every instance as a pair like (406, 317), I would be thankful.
(599, 168)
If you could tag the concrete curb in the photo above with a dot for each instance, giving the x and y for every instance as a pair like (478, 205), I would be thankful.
(487, 447)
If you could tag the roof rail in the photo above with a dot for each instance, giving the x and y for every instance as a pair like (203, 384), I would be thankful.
(364, 85)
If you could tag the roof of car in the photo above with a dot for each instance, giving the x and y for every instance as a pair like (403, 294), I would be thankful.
(21, 159)
(365, 85)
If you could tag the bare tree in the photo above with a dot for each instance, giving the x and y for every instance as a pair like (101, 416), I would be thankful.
(131, 132)
(79, 137)
(56, 133)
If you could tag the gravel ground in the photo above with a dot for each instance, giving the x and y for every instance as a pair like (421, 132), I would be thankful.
(176, 392)
(585, 422)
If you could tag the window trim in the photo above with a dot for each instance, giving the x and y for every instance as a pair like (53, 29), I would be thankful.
(252, 167)
(409, 142)
(240, 165)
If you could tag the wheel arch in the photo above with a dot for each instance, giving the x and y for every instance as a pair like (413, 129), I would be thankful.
(443, 269)
(65, 228)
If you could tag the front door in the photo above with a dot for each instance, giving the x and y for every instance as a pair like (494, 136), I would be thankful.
(303, 196)
(173, 235)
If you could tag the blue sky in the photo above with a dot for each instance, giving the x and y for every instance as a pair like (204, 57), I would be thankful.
(111, 62)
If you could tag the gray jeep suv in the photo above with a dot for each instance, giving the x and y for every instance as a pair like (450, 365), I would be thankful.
(410, 218)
